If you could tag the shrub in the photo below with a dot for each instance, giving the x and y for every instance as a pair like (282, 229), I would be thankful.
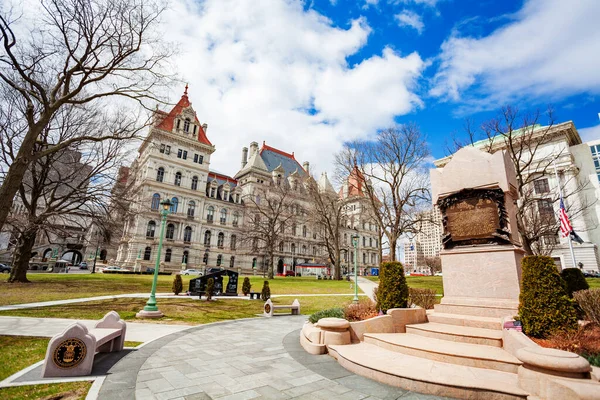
(392, 291)
(246, 286)
(574, 280)
(544, 305)
(589, 301)
(360, 311)
(585, 341)
(210, 288)
(265, 293)
(424, 298)
(329, 313)
(177, 285)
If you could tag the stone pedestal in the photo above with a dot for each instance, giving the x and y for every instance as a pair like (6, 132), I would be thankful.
(481, 280)
(149, 314)
(335, 331)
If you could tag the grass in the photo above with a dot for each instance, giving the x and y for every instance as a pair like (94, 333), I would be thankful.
(53, 391)
(48, 287)
(179, 311)
(593, 282)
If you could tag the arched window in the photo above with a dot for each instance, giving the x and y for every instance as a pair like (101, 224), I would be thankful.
(155, 202)
(210, 214)
(294, 230)
(178, 179)
(223, 216)
(170, 231)
(233, 242)
(174, 204)
(160, 174)
(147, 253)
(220, 240)
(207, 235)
(186, 125)
(303, 249)
(281, 246)
(236, 218)
(304, 231)
(168, 254)
(254, 263)
(314, 251)
(194, 182)
(219, 260)
(184, 258)
(364, 258)
(231, 261)
(191, 208)
(293, 248)
(205, 258)
(370, 242)
(187, 234)
(151, 229)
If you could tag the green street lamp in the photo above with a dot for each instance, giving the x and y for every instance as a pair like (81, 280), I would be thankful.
(151, 310)
(355, 238)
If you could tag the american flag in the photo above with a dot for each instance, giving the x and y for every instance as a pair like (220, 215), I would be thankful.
(565, 224)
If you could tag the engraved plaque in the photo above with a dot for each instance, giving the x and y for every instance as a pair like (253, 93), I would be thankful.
(472, 218)
(69, 353)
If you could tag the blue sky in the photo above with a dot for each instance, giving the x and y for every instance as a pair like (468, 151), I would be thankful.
(308, 76)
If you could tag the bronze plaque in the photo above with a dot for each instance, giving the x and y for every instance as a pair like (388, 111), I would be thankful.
(472, 218)
(69, 353)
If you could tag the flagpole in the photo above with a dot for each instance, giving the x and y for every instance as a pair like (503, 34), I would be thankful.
(561, 199)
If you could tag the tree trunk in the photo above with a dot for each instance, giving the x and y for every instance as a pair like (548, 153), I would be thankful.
(337, 266)
(22, 256)
(393, 242)
(270, 268)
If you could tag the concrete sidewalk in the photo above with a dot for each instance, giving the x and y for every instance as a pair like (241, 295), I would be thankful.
(48, 327)
(367, 286)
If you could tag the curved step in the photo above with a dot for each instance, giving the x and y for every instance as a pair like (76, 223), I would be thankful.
(454, 333)
(465, 320)
(472, 355)
(427, 376)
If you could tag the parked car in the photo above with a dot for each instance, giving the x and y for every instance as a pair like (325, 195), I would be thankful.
(151, 270)
(191, 272)
(5, 269)
(437, 274)
(113, 268)
(290, 273)
(83, 265)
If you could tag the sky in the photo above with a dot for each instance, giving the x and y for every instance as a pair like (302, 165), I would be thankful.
(308, 76)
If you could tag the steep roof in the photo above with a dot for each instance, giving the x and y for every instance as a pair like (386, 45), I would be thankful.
(273, 158)
(221, 179)
(168, 121)
(324, 184)
(355, 183)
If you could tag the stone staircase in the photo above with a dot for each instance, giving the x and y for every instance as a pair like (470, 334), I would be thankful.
(452, 355)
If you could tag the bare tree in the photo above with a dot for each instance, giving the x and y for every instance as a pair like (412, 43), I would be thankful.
(64, 189)
(526, 141)
(269, 214)
(79, 53)
(391, 170)
(434, 264)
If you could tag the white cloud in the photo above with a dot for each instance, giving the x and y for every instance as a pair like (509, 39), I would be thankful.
(429, 3)
(549, 50)
(590, 133)
(410, 19)
(270, 70)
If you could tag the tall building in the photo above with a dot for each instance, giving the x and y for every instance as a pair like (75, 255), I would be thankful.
(426, 243)
(211, 212)
(577, 169)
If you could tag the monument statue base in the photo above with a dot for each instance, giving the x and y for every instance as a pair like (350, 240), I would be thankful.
(149, 314)
(481, 280)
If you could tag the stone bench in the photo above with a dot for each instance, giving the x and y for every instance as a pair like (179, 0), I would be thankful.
(72, 352)
(253, 295)
(269, 308)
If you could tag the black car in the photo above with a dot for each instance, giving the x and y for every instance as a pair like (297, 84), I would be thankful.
(5, 269)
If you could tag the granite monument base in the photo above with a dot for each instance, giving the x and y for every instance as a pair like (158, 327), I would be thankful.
(481, 280)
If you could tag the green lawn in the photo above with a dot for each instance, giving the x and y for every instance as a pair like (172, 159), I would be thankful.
(593, 282)
(423, 282)
(47, 287)
(179, 311)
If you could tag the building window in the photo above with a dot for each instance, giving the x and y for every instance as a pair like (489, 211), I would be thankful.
(231, 261)
(220, 240)
(207, 235)
(293, 248)
(233, 242)
(370, 242)
(147, 253)
(186, 125)
(364, 258)
(179, 153)
(185, 154)
(281, 246)
(162, 148)
(191, 208)
(223, 216)
(184, 258)
(195, 158)
(213, 192)
(345, 238)
(546, 211)
(187, 234)
(167, 149)
(160, 174)
(303, 249)
(170, 231)
(178, 124)
(150, 229)
(541, 186)
(155, 202)
(174, 205)
(294, 230)
(304, 231)
(314, 250)
(210, 214)
(168, 254)
(219, 260)
(364, 241)
(236, 217)
(178, 179)
(205, 258)
(194, 182)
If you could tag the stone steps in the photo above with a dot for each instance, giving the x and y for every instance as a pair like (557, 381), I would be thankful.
(427, 376)
(471, 355)
(455, 333)
(480, 310)
(465, 320)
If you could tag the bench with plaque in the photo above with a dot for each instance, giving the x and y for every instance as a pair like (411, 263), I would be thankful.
(197, 286)
(481, 257)
(72, 352)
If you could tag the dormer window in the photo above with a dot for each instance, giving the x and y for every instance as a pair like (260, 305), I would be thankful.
(186, 125)
(178, 124)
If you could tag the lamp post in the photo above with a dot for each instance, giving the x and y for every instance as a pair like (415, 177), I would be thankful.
(355, 238)
(151, 310)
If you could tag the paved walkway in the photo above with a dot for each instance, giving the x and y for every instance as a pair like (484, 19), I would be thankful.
(367, 286)
(245, 359)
